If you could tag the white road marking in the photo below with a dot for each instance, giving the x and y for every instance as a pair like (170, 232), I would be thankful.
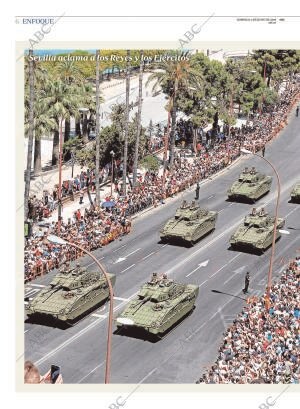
(203, 264)
(98, 315)
(225, 265)
(88, 265)
(203, 283)
(145, 377)
(150, 254)
(292, 211)
(120, 259)
(93, 370)
(127, 269)
(224, 208)
(121, 299)
(31, 292)
(124, 245)
(26, 331)
(133, 252)
(38, 285)
(237, 271)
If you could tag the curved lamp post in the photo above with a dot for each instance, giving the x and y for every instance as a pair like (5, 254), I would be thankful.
(60, 241)
(270, 271)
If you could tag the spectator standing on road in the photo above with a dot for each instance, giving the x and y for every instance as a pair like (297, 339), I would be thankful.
(263, 151)
(247, 282)
(297, 111)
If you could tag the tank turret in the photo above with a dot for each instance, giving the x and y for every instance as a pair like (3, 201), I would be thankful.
(72, 293)
(256, 233)
(189, 224)
(250, 186)
(295, 193)
(160, 304)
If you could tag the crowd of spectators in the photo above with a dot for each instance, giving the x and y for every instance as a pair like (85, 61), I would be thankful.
(262, 345)
(95, 228)
(98, 226)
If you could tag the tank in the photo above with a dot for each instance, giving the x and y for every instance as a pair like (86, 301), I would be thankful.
(250, 186)
(295, 193)
(72, 293)
(256, 233)
(159, 305)
(189, 224)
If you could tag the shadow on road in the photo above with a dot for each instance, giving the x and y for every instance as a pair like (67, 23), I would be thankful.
(232, 295)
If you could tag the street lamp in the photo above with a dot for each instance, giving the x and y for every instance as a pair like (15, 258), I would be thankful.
(247, 152)
(58, 240)
(112, 170)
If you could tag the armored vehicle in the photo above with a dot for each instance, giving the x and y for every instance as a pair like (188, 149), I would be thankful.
(72, 293)
(159, 305)
(256, 233)
(189, 224)
(250, 186)
(295, 193)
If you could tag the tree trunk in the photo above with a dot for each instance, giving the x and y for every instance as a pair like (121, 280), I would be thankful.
(77, 127)
(126, 123)
(67, 130)
(67, 154)
(138, 131)
(30, 134)
(84, 129)
(37, 156)
(55, 147)
(97, 169)
(173, 124)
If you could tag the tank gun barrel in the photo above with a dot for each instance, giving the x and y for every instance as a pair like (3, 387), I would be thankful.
(51, 291)
(178, 221)
(141, 303)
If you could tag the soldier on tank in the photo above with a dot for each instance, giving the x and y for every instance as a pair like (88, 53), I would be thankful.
(253, 211)
(184, 204)
(154, 278)
(193, 204)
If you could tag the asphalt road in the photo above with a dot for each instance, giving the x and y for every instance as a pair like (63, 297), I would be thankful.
(182, 355)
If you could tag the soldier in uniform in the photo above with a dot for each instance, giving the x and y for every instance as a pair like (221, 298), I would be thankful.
(247, 282)
(193, 204)
(253, 211)
(154, 278)
(184, 204)
(197, 191)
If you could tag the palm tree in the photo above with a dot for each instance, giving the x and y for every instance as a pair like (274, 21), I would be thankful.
(30, 133)
(97, 167)
(62, 100)
(40, 78)
(172, 77)
(126, 122)
(69, 73)
(43, 124)
(139, 114)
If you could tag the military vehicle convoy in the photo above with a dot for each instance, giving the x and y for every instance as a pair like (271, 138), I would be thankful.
(189, 225)
(72, 293)
(295, 193)
(159, 305)
(256, 233)
(250, 186)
